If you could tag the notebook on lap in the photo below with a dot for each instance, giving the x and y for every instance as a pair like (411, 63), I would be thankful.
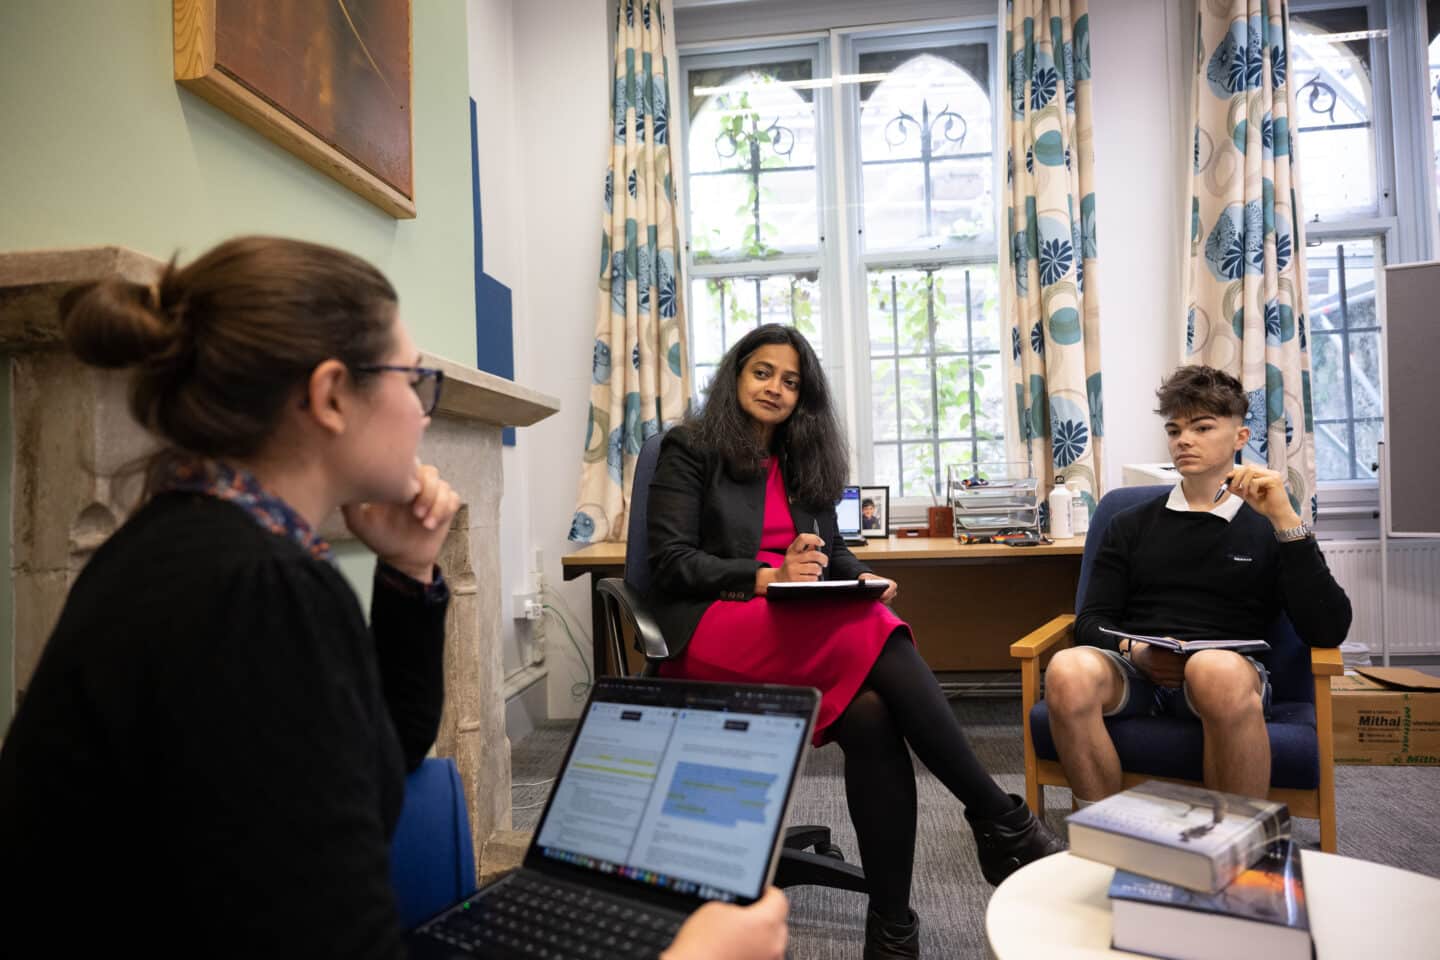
(671, 794)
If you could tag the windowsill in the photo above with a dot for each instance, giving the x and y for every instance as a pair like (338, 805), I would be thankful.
(1348, 510)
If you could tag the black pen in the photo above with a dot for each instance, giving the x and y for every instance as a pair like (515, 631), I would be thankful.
(815, 528)
(1221, 492)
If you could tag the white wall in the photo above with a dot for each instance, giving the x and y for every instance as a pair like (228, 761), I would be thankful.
(562, 132)
(1140, 53)
(539, 72)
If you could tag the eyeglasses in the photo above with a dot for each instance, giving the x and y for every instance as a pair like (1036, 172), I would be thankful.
(427, 382)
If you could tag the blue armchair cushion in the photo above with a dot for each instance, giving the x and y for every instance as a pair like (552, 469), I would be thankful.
(1170, 747)
(432, 859)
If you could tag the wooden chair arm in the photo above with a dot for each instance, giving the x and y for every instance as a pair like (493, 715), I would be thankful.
(1035, 643)
(1324, 661)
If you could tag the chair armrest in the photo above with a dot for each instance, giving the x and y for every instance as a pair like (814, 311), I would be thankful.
(647, 632)
(1326, 662)
(1035, 643)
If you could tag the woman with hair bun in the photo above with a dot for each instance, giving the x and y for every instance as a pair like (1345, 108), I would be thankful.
(211, 753)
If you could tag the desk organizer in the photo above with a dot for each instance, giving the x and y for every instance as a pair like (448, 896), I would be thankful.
(990, 497)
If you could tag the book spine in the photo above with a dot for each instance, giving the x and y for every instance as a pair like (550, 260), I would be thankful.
(1250, 846)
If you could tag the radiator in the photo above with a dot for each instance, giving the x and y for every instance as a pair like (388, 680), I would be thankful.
(1414, 607)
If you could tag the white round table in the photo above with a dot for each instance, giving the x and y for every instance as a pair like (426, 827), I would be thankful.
(1057, 907)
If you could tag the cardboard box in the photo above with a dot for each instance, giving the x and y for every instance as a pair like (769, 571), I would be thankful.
(1386, 715)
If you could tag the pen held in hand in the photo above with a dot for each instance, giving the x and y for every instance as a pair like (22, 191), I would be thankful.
(1221, 492)
(815, 528)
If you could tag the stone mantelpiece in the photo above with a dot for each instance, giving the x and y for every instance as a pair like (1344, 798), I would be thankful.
(73, 435)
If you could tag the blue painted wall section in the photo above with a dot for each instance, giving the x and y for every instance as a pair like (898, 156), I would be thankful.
(494, 321)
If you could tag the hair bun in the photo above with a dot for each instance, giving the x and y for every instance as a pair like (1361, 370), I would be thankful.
(115, 323)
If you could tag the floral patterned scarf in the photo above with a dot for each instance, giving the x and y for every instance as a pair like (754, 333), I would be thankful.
(240, 487)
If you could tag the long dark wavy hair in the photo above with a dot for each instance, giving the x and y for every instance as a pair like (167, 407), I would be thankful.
(810, 443)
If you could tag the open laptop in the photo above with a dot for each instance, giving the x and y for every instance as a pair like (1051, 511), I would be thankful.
(671, 794)
(847, 514)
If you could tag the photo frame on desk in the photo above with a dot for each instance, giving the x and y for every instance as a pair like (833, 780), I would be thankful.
(875, 512)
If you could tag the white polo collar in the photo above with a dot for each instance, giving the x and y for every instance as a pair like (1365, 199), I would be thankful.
(1226, 510)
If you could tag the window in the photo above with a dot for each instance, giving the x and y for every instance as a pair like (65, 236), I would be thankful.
(753, 192)
(1346, 196)
(926, 237)
(1345, 357)
(880, 235)
(1433, 91)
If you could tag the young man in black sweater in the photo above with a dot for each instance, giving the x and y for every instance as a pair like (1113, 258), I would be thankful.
(1195, 563)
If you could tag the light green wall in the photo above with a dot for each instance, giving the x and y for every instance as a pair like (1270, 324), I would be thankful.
(98, 145)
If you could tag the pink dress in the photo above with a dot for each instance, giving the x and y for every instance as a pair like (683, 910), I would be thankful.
(830, 645)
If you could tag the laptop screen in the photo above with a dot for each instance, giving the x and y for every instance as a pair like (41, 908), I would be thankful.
(684, 791)
(847, 512)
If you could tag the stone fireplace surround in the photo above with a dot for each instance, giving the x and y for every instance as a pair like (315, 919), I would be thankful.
(72, 436)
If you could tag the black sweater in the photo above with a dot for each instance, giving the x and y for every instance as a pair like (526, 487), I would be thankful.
(210, 757)
(1193, 575)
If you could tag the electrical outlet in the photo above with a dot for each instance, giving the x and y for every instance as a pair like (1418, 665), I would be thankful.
(528, 606)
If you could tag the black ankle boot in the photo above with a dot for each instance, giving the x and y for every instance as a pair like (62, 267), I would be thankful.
(888, 940)
(1006, 843)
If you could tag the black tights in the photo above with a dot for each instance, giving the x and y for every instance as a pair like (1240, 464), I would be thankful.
(900, 702)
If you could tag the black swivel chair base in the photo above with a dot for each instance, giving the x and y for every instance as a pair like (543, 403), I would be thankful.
(809, 858)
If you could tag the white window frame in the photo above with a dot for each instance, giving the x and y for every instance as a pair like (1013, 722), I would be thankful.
(852, 45)
(844, 308)
(1403, 224)
(815, 46)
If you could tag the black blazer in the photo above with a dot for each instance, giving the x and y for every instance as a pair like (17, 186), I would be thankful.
(704, 528)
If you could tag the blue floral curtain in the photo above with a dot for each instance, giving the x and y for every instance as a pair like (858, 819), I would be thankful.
(1053, 310)
(640, 370)
(1245, 276)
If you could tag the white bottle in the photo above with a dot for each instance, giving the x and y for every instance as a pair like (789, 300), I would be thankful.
(1079, 510)
(1060, 510)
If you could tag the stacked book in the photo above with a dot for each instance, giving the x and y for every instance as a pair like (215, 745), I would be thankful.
(1201, 874)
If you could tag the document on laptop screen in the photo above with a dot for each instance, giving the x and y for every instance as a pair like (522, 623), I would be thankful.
(685, 795)
(847, 511)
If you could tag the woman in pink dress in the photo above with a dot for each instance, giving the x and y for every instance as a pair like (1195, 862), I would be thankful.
(743, 497)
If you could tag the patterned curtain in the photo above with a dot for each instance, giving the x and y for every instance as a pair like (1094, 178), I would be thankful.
(1245, 276)
(1054, 309)
(640, 370)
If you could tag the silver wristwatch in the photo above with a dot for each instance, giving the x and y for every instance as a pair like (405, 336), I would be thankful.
(1294, 533)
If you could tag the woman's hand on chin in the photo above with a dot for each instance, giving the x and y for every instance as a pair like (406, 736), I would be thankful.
(890, 591)
(408, 535)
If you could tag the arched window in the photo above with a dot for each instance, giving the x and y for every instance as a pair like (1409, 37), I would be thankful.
(1335, 111)
(926, 137)
(753, 200)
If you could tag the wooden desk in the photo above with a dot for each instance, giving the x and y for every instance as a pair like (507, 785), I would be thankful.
(966, 602)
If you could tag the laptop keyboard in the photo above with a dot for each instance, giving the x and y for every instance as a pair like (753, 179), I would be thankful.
(528, 916)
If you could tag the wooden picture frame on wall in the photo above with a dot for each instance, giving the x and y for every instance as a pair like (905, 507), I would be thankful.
(345, 107)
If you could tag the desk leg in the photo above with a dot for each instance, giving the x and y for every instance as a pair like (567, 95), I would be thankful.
(599, 635)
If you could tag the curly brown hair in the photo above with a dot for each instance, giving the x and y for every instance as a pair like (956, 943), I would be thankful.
(1195, 390)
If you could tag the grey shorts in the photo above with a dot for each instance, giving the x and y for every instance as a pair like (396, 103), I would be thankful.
(1143, 697)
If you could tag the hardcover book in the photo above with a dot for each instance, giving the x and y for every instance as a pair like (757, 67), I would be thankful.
(1189, 836)
(1260, 915)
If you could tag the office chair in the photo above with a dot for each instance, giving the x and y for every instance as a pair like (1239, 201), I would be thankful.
(432, 858)
(624, 606)
(1302, 739)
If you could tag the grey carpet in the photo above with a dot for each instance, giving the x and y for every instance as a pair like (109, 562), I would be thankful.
(1386, 814)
